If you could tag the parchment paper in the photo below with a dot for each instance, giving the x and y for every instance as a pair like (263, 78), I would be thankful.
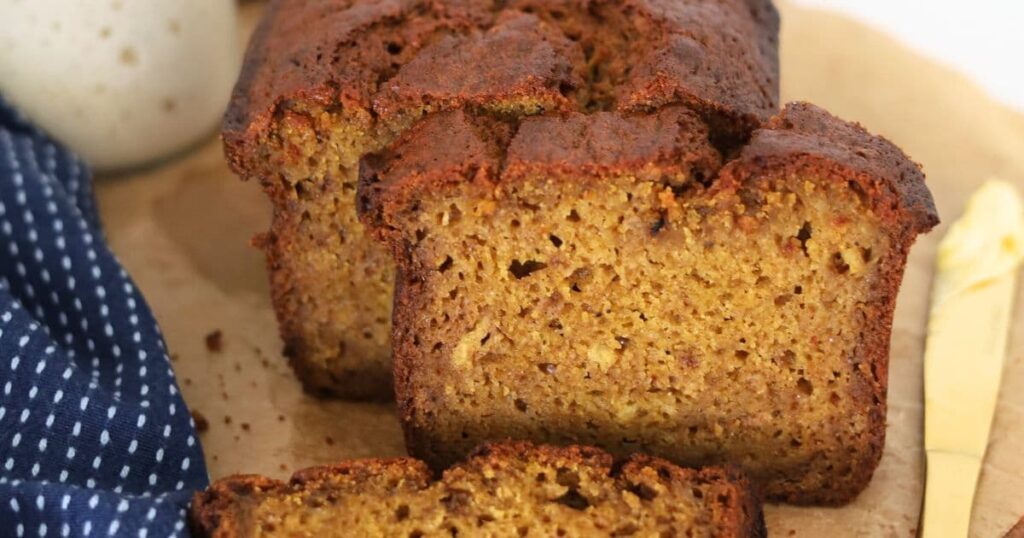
(182, 230)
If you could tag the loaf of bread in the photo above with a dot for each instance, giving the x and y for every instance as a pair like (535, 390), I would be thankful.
(604, 279)
(326, 81)
(503, 490)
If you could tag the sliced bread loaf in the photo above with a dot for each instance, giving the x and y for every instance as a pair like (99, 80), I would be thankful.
(327, 81)
(502, 490)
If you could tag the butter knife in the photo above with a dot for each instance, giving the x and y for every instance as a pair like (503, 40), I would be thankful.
(972, 305)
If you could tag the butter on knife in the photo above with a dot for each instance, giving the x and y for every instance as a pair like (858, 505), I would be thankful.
(972, 303)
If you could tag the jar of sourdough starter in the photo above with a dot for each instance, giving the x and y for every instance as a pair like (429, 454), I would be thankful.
(122, 82)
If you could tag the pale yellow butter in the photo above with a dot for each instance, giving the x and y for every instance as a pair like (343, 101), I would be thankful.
(987, 241)
(972, 302)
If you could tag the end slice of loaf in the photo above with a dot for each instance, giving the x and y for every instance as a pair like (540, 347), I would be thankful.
(325, 82)
(603, 279)
(512, 489)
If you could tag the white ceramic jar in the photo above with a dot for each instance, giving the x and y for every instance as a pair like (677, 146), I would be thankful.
(121, 82)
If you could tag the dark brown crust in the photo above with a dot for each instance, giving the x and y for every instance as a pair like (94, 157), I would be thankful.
(803, 139)
(518, 57)
(749, 518)
(686, 67)
(220, 510)
(417, 164)
(671, 142)
(305, 50)
(807, 138)
(672, 139)
(213, 511)
(302, 50)
(358, 471)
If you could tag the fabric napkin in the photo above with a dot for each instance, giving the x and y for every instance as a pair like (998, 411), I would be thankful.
(95, 439)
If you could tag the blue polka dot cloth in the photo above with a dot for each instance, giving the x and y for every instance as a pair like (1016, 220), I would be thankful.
(95, 439)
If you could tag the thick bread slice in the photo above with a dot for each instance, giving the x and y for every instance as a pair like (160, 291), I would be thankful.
(513, 489)
(603, 279)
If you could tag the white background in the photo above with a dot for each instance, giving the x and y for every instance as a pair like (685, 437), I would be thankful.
(982, 38)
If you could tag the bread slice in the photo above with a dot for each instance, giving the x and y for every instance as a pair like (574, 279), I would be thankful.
(602, 279)
(325, 82)
(512, 489)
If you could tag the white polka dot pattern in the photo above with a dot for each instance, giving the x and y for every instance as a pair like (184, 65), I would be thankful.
(95, 439)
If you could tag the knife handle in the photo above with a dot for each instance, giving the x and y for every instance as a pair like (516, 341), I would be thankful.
(949, 494)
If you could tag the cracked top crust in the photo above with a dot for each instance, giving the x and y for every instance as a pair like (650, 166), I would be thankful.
(520, 56)
(226, 507)
(670, 143)
(716, 56)
(672, 139)
(805, 137)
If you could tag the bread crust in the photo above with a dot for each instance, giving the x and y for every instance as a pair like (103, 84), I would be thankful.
(221, 509)
(301, 51)
(803, 139)
(672, 139)
(381, 59)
